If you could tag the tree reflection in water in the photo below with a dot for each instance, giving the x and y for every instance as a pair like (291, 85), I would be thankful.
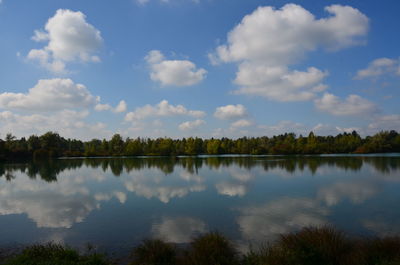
(48, 170)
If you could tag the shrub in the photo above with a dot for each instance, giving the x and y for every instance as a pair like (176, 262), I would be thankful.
(381, 251)
(310, 246)
(154, 252)
(51, 254)
(211, 249)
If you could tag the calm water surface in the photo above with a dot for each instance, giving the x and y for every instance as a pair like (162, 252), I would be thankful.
(115, 203)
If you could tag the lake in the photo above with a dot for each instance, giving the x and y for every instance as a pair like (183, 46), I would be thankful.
(114, 203)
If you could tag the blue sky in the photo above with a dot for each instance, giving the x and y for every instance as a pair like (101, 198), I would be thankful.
(208, 68)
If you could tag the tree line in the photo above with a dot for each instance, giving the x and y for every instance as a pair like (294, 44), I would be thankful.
(51, 144)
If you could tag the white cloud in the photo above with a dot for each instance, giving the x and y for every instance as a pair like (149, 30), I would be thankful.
(121, 107)
(162, 109)
(40, 36)
(68, 123)
(49, 95)
(242, 123)
(379, 67)
(279, 83)
(384, 122)
(103, 107)
(230, 112)
(352, 105)
(70, 38)
(267, 41)
(173, 72)
(191, 125)
(179, 229)
(275, 36)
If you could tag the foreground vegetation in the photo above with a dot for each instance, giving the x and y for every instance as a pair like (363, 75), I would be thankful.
(53, 145)
(310, 246)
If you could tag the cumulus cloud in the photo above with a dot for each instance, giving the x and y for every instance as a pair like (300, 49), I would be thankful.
(57, 104)
(179, 229)
(379, 67)
(279, 83)
(69, 38)
(267, 41)
(230, 112)
(69, 123)
(191, 125)
(260, 36)
(385, 122)
(173, 72)
(352, 105)
(49, 95)
(121, 107)
(242, 123)
(162, 109)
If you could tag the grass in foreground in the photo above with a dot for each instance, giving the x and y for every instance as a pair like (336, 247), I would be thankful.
(54, 254)
(310, 246)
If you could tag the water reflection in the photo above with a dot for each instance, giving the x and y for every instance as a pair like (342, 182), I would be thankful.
(151, 184)
(48, 170)
(253, 198)
(179, 229)
(237, 184)
(267, 221)
(48, 205)
(356, 191)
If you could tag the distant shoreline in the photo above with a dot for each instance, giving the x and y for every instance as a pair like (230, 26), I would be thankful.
(52, 145)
